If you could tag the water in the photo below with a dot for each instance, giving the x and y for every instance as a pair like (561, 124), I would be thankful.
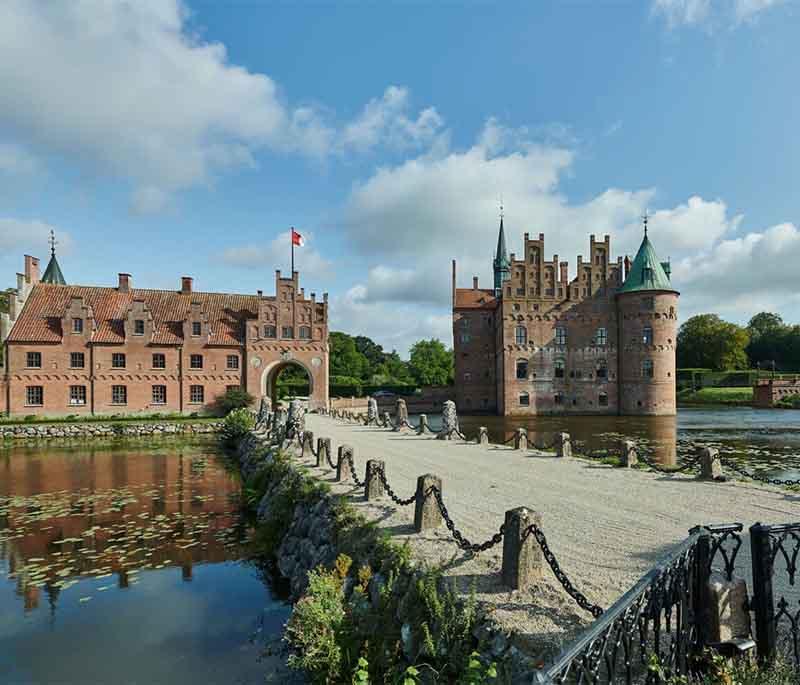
(126, 565)
(767, 440)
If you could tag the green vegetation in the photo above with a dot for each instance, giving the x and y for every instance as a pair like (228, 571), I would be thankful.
(233, 398)
(236, 425)
(707, 341)
(730, 396)
(34, 420)
(721, 671)
(790, 402)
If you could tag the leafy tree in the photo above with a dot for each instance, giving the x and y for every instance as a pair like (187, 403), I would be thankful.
(431, 363)
(372, 352)
(233, 398)
(769, 340)
(706, 341)
(395, 369)
(345, 359)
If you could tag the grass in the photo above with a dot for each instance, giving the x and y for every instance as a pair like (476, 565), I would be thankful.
(726, 396)
(107, 419)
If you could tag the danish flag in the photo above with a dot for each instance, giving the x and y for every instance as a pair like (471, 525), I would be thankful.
(297, 239)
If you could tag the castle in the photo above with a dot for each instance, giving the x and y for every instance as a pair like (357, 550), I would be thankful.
(84, 350)
(540, 343)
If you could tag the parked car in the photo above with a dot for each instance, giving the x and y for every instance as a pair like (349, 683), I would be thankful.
(383, 393)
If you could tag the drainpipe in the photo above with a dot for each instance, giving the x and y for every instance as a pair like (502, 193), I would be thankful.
(91, 379)
(180, 378)
(8, 377)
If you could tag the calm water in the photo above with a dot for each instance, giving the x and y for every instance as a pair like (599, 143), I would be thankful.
(766, 439)
(126, 565)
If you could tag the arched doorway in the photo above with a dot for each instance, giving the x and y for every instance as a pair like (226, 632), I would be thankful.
(285, 379)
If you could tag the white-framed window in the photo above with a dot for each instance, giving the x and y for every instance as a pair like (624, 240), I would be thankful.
(647, 368)
(159, 361)
(34, 395)
(233, 361)
(270, 331)
(561, 335)
(196, 361)
(287, 332)
(524, 399)
(138, 327)
(522, 369)
(196, 394)
(601, 337)
(33, 360)
(521, 335)
(118, 360)
(77, 360)
(119, 394)
(77, 325)
(559, 368)
(197, 328)
(159, 394)
(77, 395)
(305, 333)
(647, 335)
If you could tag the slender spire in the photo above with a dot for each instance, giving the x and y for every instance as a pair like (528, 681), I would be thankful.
(52, 274)
(644, 220)
(52, 241)
(501, 263)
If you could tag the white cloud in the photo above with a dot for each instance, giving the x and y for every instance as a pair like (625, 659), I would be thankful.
(16, 160)
(276, 251)
(30, 236)
(678, 12)
(707, 12)
(129, 88)
(746, 10)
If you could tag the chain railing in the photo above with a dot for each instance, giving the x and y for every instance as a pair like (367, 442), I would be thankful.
(458, 536)
(353, 474)
(380, 472)
(687, 465)
(733, 466)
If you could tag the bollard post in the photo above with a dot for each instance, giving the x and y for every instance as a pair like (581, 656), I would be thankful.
(323, 450)
(308, 442)
(522, 556)
(483, 436)
(563, 445)
(426, 511)
(628, 453)
(710, 465)
(343, 472)
(373, 488)
(521, 439)
(423, 424)
(400, 414)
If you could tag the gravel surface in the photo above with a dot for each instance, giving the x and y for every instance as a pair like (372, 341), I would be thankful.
(607, 526)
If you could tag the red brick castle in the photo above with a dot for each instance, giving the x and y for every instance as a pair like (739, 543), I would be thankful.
(539, 342)
(72, 349)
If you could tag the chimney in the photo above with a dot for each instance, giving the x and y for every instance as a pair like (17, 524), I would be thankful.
(124, 283)
(564, 267)
(186, 285)
(627, 265)
(260, 293)
(474, 282)
(31, 269)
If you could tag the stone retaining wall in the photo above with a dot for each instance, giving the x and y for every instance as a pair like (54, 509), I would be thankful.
(91, 430)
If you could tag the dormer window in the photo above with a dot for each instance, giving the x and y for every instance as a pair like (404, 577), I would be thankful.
(138, 327)
(197, 328)
(77, 325)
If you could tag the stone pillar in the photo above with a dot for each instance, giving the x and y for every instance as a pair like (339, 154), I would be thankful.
(483, 436)
(400, 414)
(563, 445)
(728, 617)
(323, 450)
(423, 424)
(522, 556)
(297, 418)
(308, 443)
(449, 421)
(710, 465)
(387, 420)
(343, 472)
(628, 453)
(521, 439)
(373, 488)
(426, 510)
(372, 410)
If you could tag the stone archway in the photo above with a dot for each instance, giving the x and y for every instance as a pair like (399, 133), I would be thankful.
(273, 370)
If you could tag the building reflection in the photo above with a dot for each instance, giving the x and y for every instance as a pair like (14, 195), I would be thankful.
(99, 512)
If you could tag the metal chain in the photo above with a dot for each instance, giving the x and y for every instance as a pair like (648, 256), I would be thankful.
(329, 459)
(733, 466)
(562, 578)
(381, 473)
(462, 542)
(686, 466)
(353, 474)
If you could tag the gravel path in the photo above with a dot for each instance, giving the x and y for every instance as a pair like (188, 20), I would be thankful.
(607, 526)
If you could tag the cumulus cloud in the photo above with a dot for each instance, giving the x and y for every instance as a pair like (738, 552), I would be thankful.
(265, 256)
(30, 236)
(706, 12)
(129, 88)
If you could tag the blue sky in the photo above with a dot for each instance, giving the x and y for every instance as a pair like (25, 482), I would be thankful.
(165, 138)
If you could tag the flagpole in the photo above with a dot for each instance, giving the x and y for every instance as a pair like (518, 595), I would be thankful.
(291, 239)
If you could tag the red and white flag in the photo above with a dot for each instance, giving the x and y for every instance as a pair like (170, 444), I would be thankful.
(297, 239)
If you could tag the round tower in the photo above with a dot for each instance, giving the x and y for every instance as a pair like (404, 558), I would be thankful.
(647, 312)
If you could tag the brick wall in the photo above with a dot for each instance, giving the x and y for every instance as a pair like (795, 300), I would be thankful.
(767, 392)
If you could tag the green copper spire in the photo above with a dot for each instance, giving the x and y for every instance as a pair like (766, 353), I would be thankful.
(501, 263)
(646, 272)
(52, 274)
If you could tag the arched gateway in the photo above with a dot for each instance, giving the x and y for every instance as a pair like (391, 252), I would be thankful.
(290, 329)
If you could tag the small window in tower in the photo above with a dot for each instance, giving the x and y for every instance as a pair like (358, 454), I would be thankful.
(602, 369)
(287, 332)
(524, 399)
(522, 369)
(138, 327)
(559, 368)
(647, 368)
(305, 333)
(647, 335)
(521, 335)
(269, 331)
(561, 335)
(601, 337)
(77, 325)
(197, 328)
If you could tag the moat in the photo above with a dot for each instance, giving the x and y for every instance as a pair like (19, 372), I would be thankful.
(128, 564)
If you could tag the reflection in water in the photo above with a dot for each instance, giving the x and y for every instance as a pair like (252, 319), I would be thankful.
(101, 534)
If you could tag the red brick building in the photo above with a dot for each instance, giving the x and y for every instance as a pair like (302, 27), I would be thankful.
(539, 342)
(73, 349)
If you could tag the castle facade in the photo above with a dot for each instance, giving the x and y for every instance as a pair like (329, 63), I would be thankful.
(71, 349)
(540, 342)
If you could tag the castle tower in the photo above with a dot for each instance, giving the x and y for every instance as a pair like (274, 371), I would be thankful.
(501, 263)
(647, 312)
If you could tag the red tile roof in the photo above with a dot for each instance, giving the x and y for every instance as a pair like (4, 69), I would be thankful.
(40, 320)
(472, 298)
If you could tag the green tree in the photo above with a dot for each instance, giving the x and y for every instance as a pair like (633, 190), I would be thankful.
(372, 352)
(345, 359)
(431, 363)
(770, 340)
(706, 341)
(395, 369)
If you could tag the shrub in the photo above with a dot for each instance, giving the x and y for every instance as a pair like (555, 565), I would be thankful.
(233, 398)
(236, 425)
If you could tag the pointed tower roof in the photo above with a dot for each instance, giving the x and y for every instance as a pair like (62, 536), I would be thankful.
(646, 272)
(52, 274)
(501, 253)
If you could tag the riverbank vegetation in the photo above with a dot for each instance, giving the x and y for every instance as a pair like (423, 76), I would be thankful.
(736, 396)
(33, 419)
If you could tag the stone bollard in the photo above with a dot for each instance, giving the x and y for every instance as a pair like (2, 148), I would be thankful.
(449, 421)
(387, 420)
(400, 414)
(373, 488)
(426, 510)
(483, 436)
(522, 556)
(728, 617)
(521, 439)
(372, 411)
(308, 442)
(710, 465)
(323, 450)
(423, 424)
(343, 471)
(628, 453)
(563, 445)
